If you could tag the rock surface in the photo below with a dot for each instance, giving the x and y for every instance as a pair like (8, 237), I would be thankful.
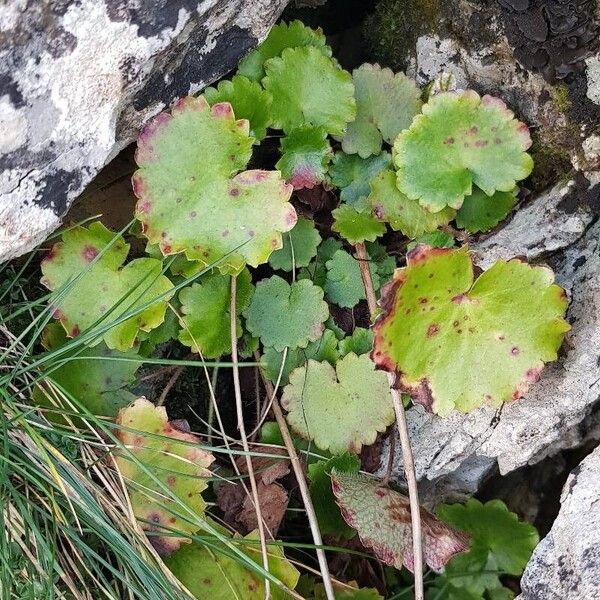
(454, 454)
(79, 78)
(566, 563)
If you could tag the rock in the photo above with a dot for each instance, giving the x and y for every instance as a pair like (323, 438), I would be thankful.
(79, 78)
(566, 563)
(454, 454)
(593, 78)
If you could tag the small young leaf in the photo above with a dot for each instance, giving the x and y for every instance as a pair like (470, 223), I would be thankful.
(480, 212)
(325, 348)
(281, 36)
(459, 140)
(285, 315)
(299, 247)
(299, 97)
(435, 239)
(356, 226)
(495, 529)
(306, 153)
(248, 100)
(327, 511)
(205, 310)
(344, 285)
(480, 341)
(210, 571)
(191, 200)
(341, 409)
(386, 104)
(104, 288)
(172, 461)
(360, 342)
(391, 206)
(352, 174)
(382, 518)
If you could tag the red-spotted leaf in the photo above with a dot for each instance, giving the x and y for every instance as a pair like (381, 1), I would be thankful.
(86, 269)
(166, 493)
(381, 517)
(458, 342)
(190, 198)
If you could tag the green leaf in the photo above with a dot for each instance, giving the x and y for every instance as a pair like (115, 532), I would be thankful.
(352, 174)
(210, 571)
(386, 104)
(281, 36)
(93, 376)
(459, 140)
(391, 206)
(325, 348)
(508, 541)
(248, 100)
(480, 341)
(306, 153)
(173, 478)
(360, 342)
(299, 246)
(356, 226)
(327, 511)
(299, 97)
(436, 239)
(285, 315)
(205, 313)
(190, 199)
(384, 262)
(480, 212)
(344, 285)
(165, 332)
(382, 518)
(327, 405)
(105, 289)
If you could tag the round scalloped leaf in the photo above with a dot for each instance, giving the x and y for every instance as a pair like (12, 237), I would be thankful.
(205, 310)
(327, 511)
(325, 348)
(281, 36)
(248, 100)
(339, 409)
(306, 153)
(352, 174)
(459, 140)
(480, 212)
(192, 201)
(299, 247)
(104, 289)
(480, 341)
(344, 285)
(307, 87)
(495, 530)
(285, 315)
(174, 473)
(360, 342)
(385, 105)
(391, 206)
(210, 571)
(356, 226)
(382, 518)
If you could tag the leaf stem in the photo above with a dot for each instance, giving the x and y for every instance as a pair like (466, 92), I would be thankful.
(242, 429)
(302, 484)
(407, 455)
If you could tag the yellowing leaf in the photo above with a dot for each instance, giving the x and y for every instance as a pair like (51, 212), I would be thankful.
(382, 518)
(339, 409)
(458, 342)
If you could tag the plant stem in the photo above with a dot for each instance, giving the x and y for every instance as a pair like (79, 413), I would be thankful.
(407, 455)
(302, 484)
(242, 430)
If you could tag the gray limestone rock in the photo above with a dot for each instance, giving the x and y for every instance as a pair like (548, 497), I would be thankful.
(79, 78)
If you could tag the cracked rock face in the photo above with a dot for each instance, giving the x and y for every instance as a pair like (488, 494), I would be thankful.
(78, 78)
(454, 454)
(566, 563)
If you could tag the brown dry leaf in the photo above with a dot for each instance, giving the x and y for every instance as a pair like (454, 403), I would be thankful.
(273, 499)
